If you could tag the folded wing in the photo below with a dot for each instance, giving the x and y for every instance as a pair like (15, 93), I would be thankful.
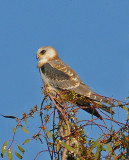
(61, 77)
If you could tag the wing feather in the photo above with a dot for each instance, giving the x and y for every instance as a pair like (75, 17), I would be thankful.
(60, 76)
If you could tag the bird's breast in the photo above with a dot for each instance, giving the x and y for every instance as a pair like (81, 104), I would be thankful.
(46, 81)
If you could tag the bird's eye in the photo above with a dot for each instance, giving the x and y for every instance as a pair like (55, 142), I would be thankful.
(43, 51)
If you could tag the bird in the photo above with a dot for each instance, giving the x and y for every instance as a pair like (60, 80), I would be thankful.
(60, 77)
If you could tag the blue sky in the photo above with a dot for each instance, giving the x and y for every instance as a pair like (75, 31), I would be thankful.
(90, 36)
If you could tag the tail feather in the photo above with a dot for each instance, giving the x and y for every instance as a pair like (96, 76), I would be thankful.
(90, 101)
(106, 109)
(84, 90)
(98, 98)
(93, 112)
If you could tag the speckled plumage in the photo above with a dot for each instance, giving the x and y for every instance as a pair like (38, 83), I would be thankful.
(60, 76)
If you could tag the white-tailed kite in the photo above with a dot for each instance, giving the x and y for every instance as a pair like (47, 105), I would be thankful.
(60, 77)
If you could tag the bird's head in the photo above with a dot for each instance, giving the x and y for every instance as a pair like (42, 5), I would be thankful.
(46, 54)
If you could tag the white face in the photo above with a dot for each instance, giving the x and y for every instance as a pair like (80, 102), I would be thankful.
(45, 54)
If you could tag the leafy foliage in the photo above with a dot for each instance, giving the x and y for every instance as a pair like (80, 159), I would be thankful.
(65, 134)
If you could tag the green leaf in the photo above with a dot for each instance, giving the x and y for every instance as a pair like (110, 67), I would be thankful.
(10, 157)
(57, 147)
(98, 151)
(102, 148)
(122, 106)
(97, 155)
(125, 108)
(24, 129)
(14, 130)
(26, 141)
(65, 128)
(122, 157)
(21, 149)
(18, 155)
(25, 119)
(119, 103)
(61, 142)
(4, 148)
(95, 144)
(49, 133)
(110, 150)
(67, 146)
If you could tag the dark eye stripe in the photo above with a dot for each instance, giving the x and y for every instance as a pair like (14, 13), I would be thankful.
(43, 51)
